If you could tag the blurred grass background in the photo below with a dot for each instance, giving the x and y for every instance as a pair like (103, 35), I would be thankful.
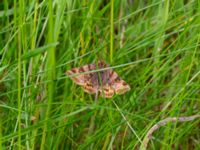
(153, 45)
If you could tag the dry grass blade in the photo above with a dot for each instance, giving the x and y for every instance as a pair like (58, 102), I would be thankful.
(162, 123)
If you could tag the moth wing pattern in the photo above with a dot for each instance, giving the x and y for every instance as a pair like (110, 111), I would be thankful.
(119, 85)
(76, 74)
(106, 91)
(90, 88)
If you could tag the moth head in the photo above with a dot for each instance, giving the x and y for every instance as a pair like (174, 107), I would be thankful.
(102, 64)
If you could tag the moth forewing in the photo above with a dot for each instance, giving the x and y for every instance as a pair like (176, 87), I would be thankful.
(76, 77)
(76, 74)
(90, 88)
(121, 87)
(107, 91)
(113, 76)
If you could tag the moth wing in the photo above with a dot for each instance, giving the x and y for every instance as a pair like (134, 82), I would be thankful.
(76, 74)
(119, 85)
(106, 91)
(90, 88)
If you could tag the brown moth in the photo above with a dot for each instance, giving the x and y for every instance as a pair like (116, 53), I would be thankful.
(107, 82)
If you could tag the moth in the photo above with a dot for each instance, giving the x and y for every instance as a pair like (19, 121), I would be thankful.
(106, 82)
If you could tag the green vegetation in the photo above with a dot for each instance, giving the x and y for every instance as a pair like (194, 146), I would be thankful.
(153, 45)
